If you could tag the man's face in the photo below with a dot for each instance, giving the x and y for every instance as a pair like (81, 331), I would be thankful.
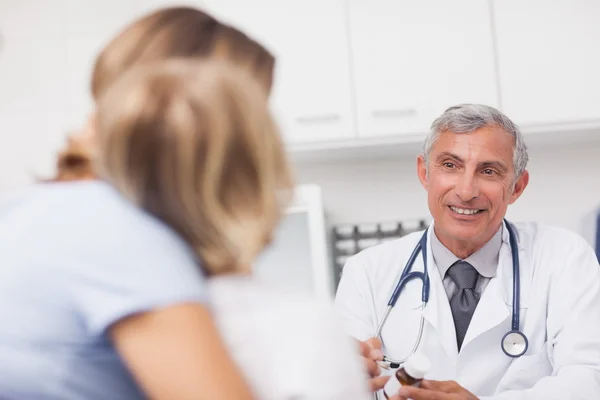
(470, 184)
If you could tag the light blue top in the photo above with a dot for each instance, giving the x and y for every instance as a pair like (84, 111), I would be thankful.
(75, 258)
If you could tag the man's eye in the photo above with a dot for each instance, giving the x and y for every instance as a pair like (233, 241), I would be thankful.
(448, 165)
(489, 171)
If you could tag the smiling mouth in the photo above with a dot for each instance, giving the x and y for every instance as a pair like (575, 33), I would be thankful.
(465, 211)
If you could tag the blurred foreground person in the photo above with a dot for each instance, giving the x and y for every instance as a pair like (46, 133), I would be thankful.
(102, 282)
(83, 271)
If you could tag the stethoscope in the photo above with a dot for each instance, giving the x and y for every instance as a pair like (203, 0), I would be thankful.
(514, 343)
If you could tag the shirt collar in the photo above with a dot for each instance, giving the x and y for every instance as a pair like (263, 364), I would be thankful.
(484, 260)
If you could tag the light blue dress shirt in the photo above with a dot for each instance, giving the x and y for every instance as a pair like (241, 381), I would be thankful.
(74, 259)
(484, 260)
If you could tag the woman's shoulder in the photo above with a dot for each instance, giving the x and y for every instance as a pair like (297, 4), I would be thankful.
(88, 230)
(94, 213)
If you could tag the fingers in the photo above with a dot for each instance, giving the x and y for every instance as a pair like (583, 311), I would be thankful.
(374, 343)
(436, 390)
(370, 364)
(396, 397)
(440, 386)
(375, 349)
(371, 352)
(378, 383)
(372, 368)
(365, 349)
(449, 387)
(415, 393)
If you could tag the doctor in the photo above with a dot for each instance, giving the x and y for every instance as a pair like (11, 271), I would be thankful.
(543, 289)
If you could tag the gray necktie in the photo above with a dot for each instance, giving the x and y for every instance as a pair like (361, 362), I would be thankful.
(464, 301)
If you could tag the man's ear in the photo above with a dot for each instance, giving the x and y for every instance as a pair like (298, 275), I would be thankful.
(520, 186)
(422, 171)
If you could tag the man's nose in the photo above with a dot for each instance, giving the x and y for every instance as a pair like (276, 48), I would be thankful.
(466, 187)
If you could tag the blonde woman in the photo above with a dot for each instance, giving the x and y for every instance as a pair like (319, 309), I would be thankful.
(102, 288)
(100, 299)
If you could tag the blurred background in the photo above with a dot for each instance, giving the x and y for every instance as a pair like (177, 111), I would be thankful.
(358, 82)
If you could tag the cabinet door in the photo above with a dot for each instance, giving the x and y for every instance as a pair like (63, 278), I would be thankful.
(413, 59)
(32, 89)
(548, 60)
(32, 56)
(311, 95)
(90, 25)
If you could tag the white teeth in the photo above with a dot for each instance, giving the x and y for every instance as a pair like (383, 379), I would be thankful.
(463, 210)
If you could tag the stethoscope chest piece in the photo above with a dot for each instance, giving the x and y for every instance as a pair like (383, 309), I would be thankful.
(514, 344)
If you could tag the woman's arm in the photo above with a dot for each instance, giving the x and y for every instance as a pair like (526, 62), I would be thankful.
(176, 353)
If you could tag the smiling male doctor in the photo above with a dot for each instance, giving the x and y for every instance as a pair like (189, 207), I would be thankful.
(473, 166)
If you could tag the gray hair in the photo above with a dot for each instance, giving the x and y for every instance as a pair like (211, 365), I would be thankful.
(466, 118)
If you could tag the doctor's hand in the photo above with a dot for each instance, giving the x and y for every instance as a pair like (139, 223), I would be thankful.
(371, 353)
(435, 390)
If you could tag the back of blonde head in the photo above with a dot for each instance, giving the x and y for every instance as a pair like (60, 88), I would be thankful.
(193, 143)
(180, 32)
(172, 32)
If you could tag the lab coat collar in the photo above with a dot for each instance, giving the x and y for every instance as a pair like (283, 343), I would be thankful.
(484, 260)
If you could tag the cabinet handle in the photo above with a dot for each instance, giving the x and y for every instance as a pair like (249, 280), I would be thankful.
(318, 119)
(395, 113)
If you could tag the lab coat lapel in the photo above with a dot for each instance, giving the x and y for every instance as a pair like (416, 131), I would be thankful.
(438, 313)
(491, 310)
(494, 307)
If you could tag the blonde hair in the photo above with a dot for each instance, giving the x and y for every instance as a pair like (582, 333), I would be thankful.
(173, 32)
(180, 32)
(194, 144)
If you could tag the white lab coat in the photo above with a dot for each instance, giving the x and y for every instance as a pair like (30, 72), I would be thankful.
(560, 314)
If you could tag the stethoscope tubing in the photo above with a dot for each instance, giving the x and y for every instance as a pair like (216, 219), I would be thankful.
(408, 275)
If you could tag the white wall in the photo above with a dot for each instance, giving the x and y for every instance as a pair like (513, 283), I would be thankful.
(564, 188)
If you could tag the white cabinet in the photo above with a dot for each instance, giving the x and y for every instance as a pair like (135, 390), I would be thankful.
(377, 70)
(312, 91)
(413, 59)
(32, 58)
(549, 62)
(89, 25)
(32, 95)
